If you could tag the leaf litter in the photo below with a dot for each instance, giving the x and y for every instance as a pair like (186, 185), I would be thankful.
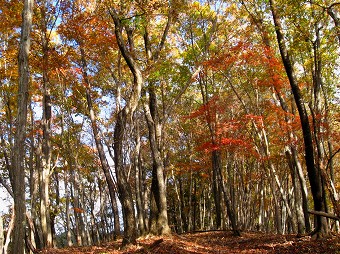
(213, 242)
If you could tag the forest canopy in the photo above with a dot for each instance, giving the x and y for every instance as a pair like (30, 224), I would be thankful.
(122, 119)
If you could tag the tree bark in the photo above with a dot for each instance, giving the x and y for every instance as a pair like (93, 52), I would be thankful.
(139, 182)
(297, 195)
(9, 234)
(20, 134)
(159, 187)
(124, 188)
(76, 205)
(2, 238)
(46, 154)
(216, 164)
(67, 212)
(36, 237)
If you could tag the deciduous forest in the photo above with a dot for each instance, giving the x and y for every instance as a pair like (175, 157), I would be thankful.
(155, 120)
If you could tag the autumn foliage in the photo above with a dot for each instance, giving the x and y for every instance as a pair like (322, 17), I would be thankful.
(151, 116)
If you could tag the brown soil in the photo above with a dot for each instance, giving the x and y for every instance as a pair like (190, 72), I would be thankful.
(215, 242)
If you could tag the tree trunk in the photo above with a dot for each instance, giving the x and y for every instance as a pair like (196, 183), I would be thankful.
(34, 193)
(124, 189)
(76, 206)
(155, 126)
(179, 205)
(66, 142)
(321, 227)
(184, 215)
(83, 220)
(216, 164)
(189, 206)
(95, 236)
(159, 187)
(67, 213)
(222, 186)
(297, 195)
(46, 144)
(303, 187)
(9, 234)
(30, 241)
(100, 148)
(20, 134)
(2, 236)
(195, 205)
(296, 168)
(153, 227)
(139, 183)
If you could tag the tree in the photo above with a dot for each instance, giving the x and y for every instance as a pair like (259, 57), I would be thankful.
(187, 111)
(100, 147)
(46, 25)
(158, 214)
(204, 36)
(84, 41)
(125, 194)
(314, 174)
(20, 134)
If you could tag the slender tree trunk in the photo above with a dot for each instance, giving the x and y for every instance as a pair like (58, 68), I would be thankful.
(184, 215)
(189, 206)
(30, 241)
(76, 207)
(153, 228)
(45, 202)
(195, 206)
(221, 182)
(71, 190)
(101, 210)
(321, 227)
(83, 221)
(295, 166)
(297, 195)
(67, 212)
(155, 126)
(179, 206)
(20, 134)
(261, 212)
(2, 236)
(94, 221)
(46, 147)
(67, 173)
(216, 167)
(139, 184)
(304, 192)
(34, 193)
(100, 148)
(9, 234)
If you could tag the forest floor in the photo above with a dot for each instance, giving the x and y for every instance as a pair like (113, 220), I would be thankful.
(214, 242)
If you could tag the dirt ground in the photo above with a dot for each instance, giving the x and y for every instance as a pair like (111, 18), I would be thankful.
(215, 242)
